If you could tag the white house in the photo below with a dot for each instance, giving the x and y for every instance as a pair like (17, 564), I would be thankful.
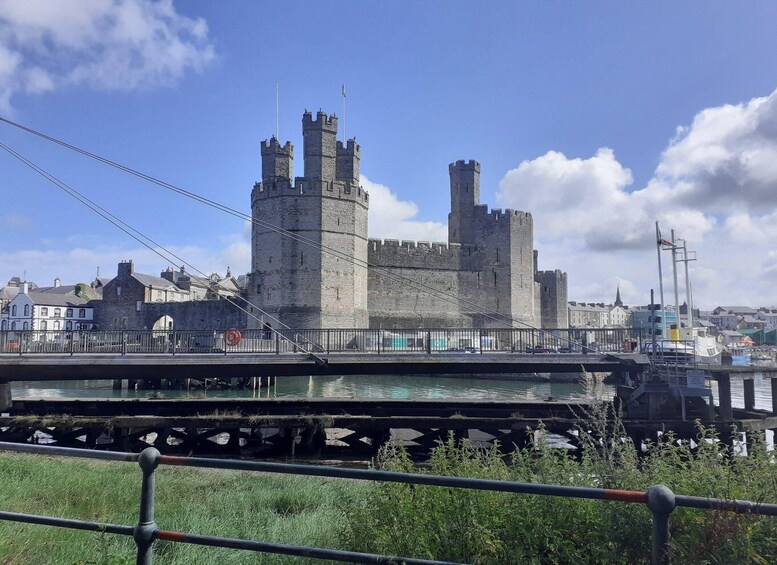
(38, 311)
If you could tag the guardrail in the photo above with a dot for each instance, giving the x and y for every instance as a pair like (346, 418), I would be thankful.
(429, 341)
(659, 499)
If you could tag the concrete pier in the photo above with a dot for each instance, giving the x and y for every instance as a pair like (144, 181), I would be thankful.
(749, 386)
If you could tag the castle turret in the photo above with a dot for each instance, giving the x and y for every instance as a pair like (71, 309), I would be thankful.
(320, 148)
(348, 161)
(277, 163)
(465, 196)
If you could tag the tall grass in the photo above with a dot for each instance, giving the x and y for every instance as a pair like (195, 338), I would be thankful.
(486, 527)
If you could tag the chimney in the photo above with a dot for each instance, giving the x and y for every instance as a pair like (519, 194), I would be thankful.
(25, 287)
(57, 283)
(126, 268)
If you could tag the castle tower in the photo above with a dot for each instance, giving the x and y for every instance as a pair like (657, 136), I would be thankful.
(465, 197)
(319, 148)
(294, 276)
(277, 163)
(348, 161)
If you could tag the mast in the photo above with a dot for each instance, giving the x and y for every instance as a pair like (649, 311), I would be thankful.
(674, 276)
(688, 256)
(660, 284)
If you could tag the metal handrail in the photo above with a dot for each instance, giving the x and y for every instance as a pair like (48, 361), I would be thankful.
(659, 499)
(318, 341)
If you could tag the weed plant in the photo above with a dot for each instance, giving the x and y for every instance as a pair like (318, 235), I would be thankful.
(487, 527)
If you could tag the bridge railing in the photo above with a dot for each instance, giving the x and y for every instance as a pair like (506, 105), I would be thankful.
(377, 341)
(659, 499)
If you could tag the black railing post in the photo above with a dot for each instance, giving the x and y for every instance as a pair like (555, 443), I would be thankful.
(175, 341)
(146, 530)
(123, 342)
(277, 343)
(327, 341)
(661, 501)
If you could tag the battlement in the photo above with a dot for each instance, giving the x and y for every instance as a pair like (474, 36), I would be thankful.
(273, 147)
(304, 187)
(462, 165)
(418, 254)
(322, 121)
(351, 147)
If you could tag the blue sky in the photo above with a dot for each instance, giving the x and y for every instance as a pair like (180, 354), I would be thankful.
(598, 118)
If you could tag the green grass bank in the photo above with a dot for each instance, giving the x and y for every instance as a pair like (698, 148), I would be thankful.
(396, 519)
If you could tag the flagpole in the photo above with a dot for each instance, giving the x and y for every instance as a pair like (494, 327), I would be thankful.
(277, 135)
(345, 136)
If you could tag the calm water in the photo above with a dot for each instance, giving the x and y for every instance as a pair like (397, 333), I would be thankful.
(377, 387)
(374, 387)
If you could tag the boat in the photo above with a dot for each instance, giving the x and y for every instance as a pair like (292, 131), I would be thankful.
(686, 346)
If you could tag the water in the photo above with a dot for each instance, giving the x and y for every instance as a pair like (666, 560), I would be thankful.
(393, 387)
(396, 387)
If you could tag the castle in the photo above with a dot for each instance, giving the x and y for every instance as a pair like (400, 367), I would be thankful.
(485, 276)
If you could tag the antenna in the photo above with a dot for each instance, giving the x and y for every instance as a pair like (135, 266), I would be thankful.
(277, 136)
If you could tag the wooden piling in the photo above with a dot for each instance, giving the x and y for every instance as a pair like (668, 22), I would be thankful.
(749, 386)
(5, 396)
(774, 395)
(724, 394)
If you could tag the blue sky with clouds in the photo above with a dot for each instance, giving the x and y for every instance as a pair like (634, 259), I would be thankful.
(598, 118)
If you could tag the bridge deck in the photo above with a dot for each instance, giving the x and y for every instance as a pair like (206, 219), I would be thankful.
(164, 366)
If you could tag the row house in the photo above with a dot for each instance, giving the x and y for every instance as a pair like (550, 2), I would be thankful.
(40, 311)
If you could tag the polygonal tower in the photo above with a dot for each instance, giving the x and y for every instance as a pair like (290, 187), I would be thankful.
(309, 238)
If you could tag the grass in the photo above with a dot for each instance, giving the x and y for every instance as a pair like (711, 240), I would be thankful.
(282, 509)
(398, 519)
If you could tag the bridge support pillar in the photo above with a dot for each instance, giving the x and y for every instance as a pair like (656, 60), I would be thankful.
(5, 396)
(724, 394)
(749, 385)
(116, 384)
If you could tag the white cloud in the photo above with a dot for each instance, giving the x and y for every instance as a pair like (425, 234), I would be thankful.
(79, 264)
(392, 218)
(716, 184)
(104, 44)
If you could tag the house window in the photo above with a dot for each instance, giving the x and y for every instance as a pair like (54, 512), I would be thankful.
(138, 305)
(69, 325)
(43, 311)
(26, 309)
(118, 291)
(13, 325)
(43, 325)
(3, 324)
(57, 312)
(82, 313)
(24, 326)
(69, 313)
(13, 310)
(56, 325)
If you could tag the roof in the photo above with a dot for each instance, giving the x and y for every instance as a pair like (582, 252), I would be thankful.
(752, 320)
(739, 309)
(731, 333)
(159, 282)
(8, 292)
(61, 289)
(45, 299)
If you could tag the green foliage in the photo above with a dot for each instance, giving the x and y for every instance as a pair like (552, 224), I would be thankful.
(266, 507)
(486, 527)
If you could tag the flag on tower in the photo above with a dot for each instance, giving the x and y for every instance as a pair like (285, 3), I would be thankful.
(343, 90)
